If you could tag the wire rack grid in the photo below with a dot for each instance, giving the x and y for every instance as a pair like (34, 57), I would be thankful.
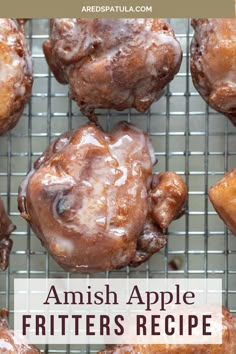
(188, 137)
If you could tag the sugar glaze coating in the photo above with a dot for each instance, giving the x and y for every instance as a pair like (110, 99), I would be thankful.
(213, 63)
(10, 341)
(113, 63)
(15, 74)
(6, 228)
(88, 200)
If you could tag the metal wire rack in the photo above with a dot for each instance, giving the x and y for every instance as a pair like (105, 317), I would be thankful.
(188, 137)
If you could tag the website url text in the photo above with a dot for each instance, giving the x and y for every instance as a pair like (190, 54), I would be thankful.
(118, 8)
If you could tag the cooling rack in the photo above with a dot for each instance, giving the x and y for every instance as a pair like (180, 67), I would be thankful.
(188, 138)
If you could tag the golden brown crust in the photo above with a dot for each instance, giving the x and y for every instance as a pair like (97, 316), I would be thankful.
(228, 342)
(10, 341)
(6, 228)
(113, 63)
(15, 74)
(213, 64)
(223, 197)
(88, 199)
(169, 197)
